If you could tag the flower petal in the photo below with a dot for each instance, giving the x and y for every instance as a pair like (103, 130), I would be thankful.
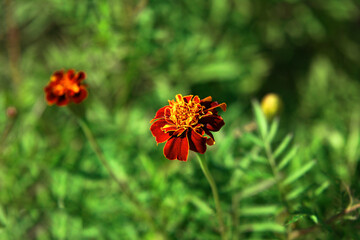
(57, 76)
(197, 143)
(216, 104)
(169, 128)
(62, 100)
(177, 148)
(158, 133)
(51, 98)
(210, 141)
(159, 114)
(81, 95)
(212, 122)
(71, 74)
(187, 98)
(80, 76)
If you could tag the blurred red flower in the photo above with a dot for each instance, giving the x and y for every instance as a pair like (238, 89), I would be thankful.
(186, 123)
(64, 88)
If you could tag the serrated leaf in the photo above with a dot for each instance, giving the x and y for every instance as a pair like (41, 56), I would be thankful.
(273, 130)
(257, 188)
(259, 210)
(260, 119)
(297, 174)
(263, 227)
(280, 149)
(288, 157)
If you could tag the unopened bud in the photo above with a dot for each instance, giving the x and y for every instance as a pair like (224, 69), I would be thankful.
(271, 105)
(11, 112)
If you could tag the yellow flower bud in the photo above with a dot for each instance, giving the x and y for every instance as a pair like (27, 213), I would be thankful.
(271, 105)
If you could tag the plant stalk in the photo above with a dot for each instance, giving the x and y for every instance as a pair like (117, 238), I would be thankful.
(210, 179)
(122, 184)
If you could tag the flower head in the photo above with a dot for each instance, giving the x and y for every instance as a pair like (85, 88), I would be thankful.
(64, 88)
(186, 124)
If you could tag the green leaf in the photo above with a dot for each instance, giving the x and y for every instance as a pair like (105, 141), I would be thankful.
(322, 188)
(260, 159)
(285, 142)
(294, 194)
(273, 130)
(295, 218)
(260, 119)
(2, 217)
(221, 70)
(58, 227)
(254, 139)
(257, 188)
(259, 210)
(59, 184)
(288, 157)
(201, 205)
(297, 174)
(263, 227)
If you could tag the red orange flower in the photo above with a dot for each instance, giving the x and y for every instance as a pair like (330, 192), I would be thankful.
(186, 124)
(64, 88)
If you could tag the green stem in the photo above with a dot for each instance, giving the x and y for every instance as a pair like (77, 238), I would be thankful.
(215, 193)
(271, 160)
(122, 184)
(276, 174)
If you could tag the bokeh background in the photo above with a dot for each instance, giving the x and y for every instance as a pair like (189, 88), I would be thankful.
(138, 54)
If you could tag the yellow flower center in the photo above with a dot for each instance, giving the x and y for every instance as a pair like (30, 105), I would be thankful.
(185, 114)
(65, 84)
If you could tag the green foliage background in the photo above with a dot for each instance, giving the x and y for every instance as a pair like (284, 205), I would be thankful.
(137, 55)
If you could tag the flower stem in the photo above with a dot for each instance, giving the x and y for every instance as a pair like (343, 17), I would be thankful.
(205, 169)
(122, 184)
(276, 174)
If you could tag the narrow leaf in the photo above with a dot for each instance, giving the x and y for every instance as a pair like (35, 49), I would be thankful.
(288, 157)
(296, 193)
(280, 149)
(297, 174)
(322, 188)
(260, 159)
(201, 205)
(254, 139)
(263, 227)
(295, 218)
(259, 210)
(2, 217)
(260, 119)
(257, 188)
(273, 130)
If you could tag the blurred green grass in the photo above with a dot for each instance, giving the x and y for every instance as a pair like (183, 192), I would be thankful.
(139, 54)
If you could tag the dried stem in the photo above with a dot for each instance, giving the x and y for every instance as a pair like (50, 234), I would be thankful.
(298, 233)
(13, 43)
